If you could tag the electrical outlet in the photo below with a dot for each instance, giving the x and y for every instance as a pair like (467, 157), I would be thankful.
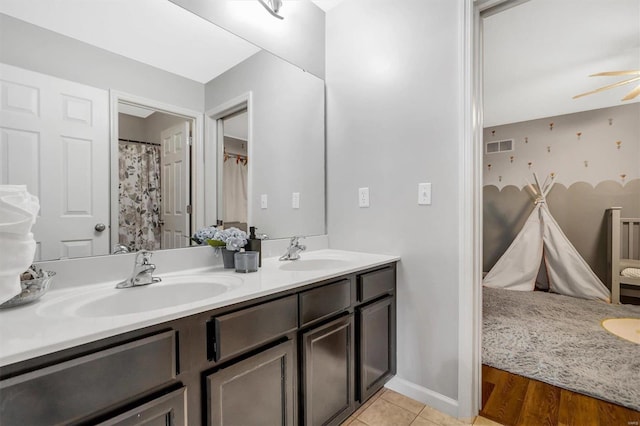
(295, 200)
(363, 197)
(263, 201)
(424, 194)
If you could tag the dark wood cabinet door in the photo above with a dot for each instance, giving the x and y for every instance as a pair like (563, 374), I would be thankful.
(328, 372)
(376, 329)
(259, 390)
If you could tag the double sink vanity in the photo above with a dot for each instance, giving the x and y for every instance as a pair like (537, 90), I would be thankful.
(299, 342)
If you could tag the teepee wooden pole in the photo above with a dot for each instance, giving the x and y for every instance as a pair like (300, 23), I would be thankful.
(548, 188)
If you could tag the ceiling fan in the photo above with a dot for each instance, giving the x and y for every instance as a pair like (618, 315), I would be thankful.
(632, 94)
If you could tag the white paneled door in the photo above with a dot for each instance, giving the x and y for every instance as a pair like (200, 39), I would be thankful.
(175, 186)
(55, 139)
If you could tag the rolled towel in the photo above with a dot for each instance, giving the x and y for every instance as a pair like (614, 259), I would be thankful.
(18, 210)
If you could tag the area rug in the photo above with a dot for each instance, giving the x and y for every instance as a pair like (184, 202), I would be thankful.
(560, 340)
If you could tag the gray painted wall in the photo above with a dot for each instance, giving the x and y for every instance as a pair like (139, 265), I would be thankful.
(146, 129)
(130, 127)
(299, 38)
(393, 121)
(28, 46)
(287, 148)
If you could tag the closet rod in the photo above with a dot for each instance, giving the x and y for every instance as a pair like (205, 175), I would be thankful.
(140, 142)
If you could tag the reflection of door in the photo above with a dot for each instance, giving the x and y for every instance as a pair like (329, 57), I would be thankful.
(62, 128)
(175, 186)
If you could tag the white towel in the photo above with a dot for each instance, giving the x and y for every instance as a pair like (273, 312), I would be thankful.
(18, 210)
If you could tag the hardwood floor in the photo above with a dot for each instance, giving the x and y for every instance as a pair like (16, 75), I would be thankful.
(515, 400)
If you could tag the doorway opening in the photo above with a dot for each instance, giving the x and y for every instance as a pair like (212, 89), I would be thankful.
(516, 147)
(235, 159)
(228, 163)
(153, 173)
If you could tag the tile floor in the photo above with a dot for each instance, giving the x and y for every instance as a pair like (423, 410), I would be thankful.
(389, 408)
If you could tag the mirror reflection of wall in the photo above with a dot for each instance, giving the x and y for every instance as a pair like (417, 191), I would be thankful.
(235, 170)
(286, 109)
(153, 176)
(120, 54)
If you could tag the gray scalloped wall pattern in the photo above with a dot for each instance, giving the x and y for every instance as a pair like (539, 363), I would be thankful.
(590, 146)
(579, 210)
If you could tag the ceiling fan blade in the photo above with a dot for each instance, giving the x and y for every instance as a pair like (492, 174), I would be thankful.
(632, 94)
(606, 73)
(607, 87)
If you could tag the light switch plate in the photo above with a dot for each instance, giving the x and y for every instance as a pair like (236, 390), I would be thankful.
(263, 201)
(295, 200)
(424, 194)
(363, 197)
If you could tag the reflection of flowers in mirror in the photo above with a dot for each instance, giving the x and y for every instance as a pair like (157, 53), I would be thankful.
(231, 238)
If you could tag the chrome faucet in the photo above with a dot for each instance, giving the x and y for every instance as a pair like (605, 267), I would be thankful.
(294, 249)
(142, 271)
(120, 249)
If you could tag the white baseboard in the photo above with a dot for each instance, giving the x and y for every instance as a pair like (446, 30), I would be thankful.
(426, 396)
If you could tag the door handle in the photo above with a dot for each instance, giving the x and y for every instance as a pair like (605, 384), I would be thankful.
(100, 227)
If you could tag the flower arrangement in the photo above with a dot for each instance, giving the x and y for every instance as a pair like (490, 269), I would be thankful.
(232, 238)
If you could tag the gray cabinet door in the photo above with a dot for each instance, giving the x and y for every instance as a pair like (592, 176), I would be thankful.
(328, 372)
(377, 346)
(259, 390)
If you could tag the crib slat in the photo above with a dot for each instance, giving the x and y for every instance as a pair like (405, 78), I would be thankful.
(629, 246)
(630, 249)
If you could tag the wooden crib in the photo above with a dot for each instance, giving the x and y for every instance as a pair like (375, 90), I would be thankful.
(623, 253)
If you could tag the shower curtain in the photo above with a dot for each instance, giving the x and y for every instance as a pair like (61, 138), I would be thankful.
(139, 196)
(234, 180)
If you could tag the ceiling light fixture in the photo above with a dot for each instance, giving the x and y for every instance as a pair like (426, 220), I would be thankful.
(272, 6)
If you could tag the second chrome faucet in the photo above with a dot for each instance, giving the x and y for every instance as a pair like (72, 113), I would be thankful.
(294, 249)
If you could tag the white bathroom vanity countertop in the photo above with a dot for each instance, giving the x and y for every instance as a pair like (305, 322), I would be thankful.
(72, 316)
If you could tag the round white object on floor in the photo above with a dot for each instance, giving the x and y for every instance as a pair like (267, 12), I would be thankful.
(627, 328)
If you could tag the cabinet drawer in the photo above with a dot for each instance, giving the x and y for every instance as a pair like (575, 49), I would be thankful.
(324, 301)
(167, 410)
(68, 391)
(376, 283)
(249, 328)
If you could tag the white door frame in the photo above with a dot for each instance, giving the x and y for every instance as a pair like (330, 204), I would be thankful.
(470, 218)
(214, 151)
(197, 155)
(470, 212)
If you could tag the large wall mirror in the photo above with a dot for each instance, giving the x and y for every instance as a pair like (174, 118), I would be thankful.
(278, 137)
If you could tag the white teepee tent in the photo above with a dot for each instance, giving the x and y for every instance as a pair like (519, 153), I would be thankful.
(542, 239)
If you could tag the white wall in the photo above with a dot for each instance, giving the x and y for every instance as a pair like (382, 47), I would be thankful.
(393, 121)
(299, 38)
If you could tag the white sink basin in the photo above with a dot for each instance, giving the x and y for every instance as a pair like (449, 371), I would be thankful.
(312, 264)
(172, 291)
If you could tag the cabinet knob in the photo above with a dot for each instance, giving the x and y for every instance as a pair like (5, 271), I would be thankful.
(100, 227)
